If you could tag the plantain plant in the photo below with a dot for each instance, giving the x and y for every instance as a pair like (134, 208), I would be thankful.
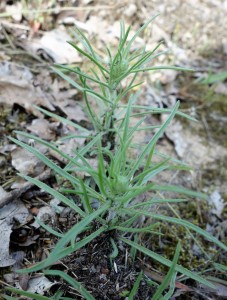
(110, 192)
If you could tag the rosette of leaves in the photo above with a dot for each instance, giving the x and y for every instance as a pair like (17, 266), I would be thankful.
(119, 179)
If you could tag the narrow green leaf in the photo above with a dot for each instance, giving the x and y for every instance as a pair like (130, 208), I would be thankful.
(8, 297)
(133, 250)
(124, 39)
(172, 287)
(84, 40)
(148, 173)
(53, 166)
(122, 29)
(147, 127)
(157, 201)
(80, 153)
(126, 120)
(135, 230)
(150, 110)
(54, 193)
(74, 283)
(180, 190)
(89, 57)
(153, 140)
(171, 273)
(213, 78)
(68, 79)
(135, 286)
(147, 164)
(173, 159)
(119, 56)
(61, 119)
(66, 251)
(140, 61)
(168, 263)
(162, 68)
(101, 171)
(78, 245)
(90, 112)
(114, 253)
(48, 228)
(45, 143)
(138, 33)
(27, 294)
(179, 222)
(133, 192)
(220, 267)
(134, 129)
(77, 228)
(77, 71)
(128, 222)
(98, 96)
(86, 204)
(59, 252)
(80, 88)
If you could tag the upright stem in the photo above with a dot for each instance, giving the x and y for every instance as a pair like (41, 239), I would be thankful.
(108, 121)
(110, 111)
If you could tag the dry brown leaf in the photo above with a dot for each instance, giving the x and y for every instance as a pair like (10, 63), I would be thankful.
(53, 45)
(45, 213)
(17, 87)
(26, 162)
(72, 110)
(192, 147)
(14, 211)
(217, 203)
(41, 128)
(15, 11)
(37, 285)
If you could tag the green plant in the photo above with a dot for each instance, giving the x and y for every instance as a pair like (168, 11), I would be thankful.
(120, 177)
(213, 78)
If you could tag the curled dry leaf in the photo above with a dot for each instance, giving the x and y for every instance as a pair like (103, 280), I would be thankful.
(5, 258)
(14, 211)
(221, 88)
(130, 10)
(45, 214)
(174, 133)
(37, 285)
(53, 45)
(219, 291)
(26, 162)
(41, 128)
(217, 203)
(15, 11)
(192, 147)
(23, 278)
(167, 76)
(73, 110)
(17, 87)
(55, 205)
